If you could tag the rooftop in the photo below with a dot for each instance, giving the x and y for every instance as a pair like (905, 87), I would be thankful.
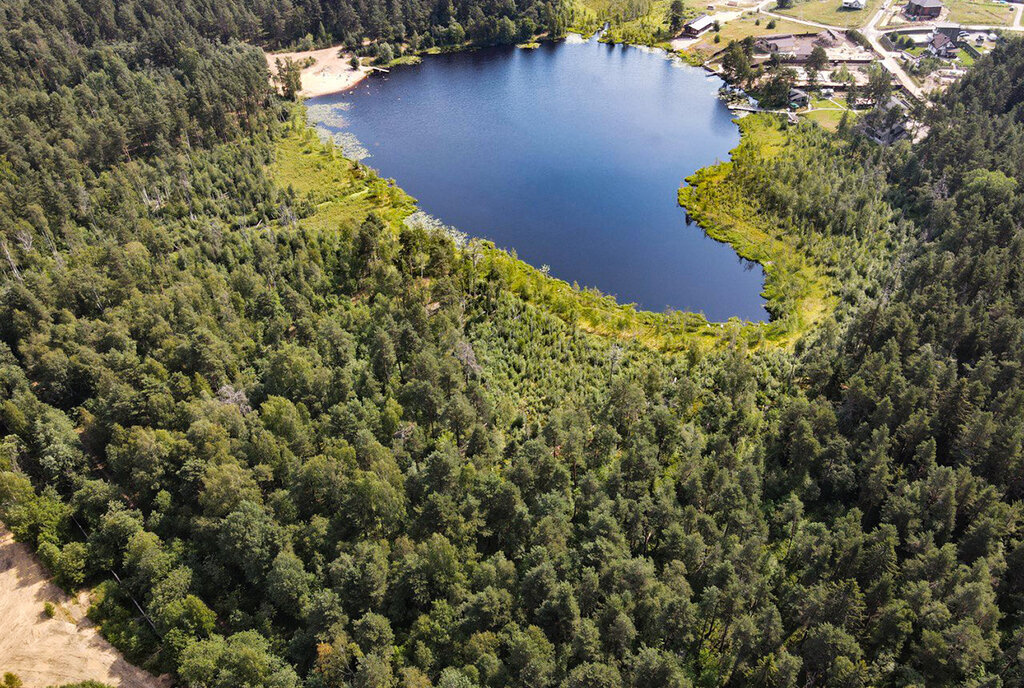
(700, 22)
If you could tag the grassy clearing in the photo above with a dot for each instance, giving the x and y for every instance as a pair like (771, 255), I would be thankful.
(828, 119)
(405, 60)
(583, 18)
(965, 59)
(632, 25)
(640, 22)
(342, 193)
(979, 12)
(749, 24)
(831, 12)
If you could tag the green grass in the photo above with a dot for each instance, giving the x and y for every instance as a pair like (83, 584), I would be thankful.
(583, 18)
(405, 60)
(828, 119)
(650, 28)
(979, 12)
(633, 22)
(831, 115)
(343, 192)
(638, 23)
(830, 12)
(740, 28)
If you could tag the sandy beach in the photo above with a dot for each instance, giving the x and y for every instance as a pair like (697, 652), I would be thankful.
(329, 73)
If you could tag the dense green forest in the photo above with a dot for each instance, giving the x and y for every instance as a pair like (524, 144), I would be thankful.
(339, 449)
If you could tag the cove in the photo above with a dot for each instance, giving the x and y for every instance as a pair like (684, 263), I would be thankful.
(569, 154)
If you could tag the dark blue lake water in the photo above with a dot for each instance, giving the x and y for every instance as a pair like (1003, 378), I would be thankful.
(570, 154)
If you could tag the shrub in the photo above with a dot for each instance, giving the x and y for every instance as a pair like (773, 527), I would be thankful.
(386, 54)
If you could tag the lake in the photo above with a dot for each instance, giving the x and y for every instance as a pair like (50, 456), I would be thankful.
(571, 155)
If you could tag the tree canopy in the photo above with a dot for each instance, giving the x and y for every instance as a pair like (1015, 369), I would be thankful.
(346, 453)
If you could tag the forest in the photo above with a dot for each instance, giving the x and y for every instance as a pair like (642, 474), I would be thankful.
(339, 449)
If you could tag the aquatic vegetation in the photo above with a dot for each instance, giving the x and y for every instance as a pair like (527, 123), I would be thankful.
(428, 223)
(328, 115)
(330, 125)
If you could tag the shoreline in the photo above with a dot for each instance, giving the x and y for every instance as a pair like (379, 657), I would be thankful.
(784, 324)
(329, 73)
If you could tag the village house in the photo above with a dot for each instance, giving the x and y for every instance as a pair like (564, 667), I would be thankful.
(789, 47)
(887, 124)
(786, 47)
(942, 46)
(946, 41)
(924, 9)
(854, 4)
(798, 98)
(698, 26)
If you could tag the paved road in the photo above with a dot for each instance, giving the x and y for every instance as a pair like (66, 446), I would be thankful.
(889, 59)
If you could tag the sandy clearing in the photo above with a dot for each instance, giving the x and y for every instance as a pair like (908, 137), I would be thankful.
(330, 73)
(65, 649)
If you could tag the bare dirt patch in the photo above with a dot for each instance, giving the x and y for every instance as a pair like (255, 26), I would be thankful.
(65, 649)
(330, 71)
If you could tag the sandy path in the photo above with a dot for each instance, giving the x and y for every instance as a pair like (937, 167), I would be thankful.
(330, 73)
(65, 649)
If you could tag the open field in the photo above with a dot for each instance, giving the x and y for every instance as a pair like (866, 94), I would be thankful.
(747, 25)
(647, 28)
(648, 24)
(44, 651)
(828, 118)
(831, 12)
(975, 12)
